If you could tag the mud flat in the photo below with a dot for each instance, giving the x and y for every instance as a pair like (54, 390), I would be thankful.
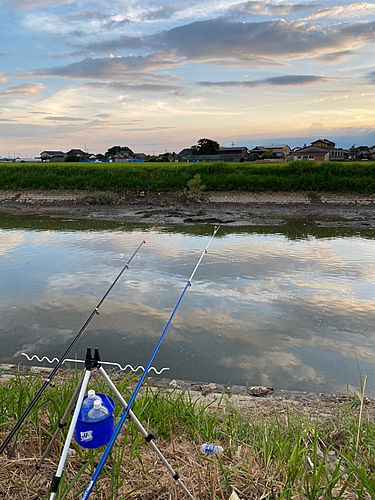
(229, 208)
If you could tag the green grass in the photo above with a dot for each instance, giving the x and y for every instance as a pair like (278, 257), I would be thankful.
(345, 177)
(284, 455)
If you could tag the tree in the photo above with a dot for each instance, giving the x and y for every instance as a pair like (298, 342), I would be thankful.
(268, 155)
(72, 158)
(114, 150)
(205, 147)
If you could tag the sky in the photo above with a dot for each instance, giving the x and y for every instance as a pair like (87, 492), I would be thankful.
(158, 76)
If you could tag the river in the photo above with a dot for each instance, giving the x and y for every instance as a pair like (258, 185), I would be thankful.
(289, 306)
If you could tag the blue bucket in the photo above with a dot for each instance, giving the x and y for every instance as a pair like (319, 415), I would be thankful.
(96, 434)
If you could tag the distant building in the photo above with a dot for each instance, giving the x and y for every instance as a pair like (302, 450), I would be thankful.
(140, 156)
(320, 150)
(311, 153)
(37, 159)
(234, 153)
(78, 153)
(280, 150)
(184, 153)
(324, 142)
(258, 150)
(53, 156)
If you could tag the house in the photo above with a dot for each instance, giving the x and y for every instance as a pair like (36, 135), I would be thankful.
(184, 152)
(280, 150)
(321, 146)
(121, 157)
(53, 156)
(234, 153)
(354, 153)
(258, 150)
(324, 142)
(78, 153)
(311, 153)
(140, 156)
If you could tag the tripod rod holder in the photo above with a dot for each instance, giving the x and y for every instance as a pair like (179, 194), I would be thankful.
(92, 362)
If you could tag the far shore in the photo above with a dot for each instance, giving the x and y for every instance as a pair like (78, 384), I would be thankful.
(231, 208)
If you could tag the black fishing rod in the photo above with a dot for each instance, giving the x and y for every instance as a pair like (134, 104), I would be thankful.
(136, 390)
(62, 359)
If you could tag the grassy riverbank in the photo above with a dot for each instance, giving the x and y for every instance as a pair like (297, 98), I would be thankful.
(356, 177)
(284, 454)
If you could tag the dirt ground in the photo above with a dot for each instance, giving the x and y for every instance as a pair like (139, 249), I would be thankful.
(263, 400)
(17, 469)
(227, 208)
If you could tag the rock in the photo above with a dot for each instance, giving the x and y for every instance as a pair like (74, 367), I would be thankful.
(207, 389)
(259, 391)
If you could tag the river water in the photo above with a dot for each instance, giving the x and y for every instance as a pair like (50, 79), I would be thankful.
(290, 307)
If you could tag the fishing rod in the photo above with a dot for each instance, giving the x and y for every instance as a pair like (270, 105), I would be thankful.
(62, 359)
(136, 390)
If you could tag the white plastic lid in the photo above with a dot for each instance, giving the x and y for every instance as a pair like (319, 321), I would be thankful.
(97, 404)
(91, 393)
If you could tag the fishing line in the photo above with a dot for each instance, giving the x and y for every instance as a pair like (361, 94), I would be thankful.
(122, 368)
(136, 390)
(62, 359)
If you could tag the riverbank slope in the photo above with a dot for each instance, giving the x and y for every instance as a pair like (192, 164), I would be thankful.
(275, 446)
(232, 208)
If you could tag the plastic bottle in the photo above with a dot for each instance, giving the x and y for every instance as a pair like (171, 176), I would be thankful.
(89, 401)
(97, 413)
(88, 404)
(211, 449)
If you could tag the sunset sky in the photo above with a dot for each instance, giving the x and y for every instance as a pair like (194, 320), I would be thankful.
(157, 75)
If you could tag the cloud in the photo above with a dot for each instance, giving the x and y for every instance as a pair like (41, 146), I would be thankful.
(3, 78)
(107, 46)
(350, 11)
(33, 4)
(4, 54)
(273, 42)
(10, 243)
(336, 57)
(278, 38)
(270, 9)
(371, 77)
(134, 86)
(105, 116)
(287, 80)
(66, 119)
(108, 68)
(165, 12)
(317, 129)
(25, 89)
(140, 129)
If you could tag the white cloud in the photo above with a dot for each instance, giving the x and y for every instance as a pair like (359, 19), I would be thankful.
(3, 78)
(265, 8)
(25, 89)
(351, 11)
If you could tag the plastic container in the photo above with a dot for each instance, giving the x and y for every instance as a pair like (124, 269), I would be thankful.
(94, 434)
(88, 403)
(98, 412)
(211, 449)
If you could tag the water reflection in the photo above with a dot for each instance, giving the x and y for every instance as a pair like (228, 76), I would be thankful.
(291, 307)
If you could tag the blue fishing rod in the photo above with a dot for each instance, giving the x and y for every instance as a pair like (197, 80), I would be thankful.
(136, 390)
(64, 356)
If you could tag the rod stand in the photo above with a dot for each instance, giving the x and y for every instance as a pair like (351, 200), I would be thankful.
(93, 362)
